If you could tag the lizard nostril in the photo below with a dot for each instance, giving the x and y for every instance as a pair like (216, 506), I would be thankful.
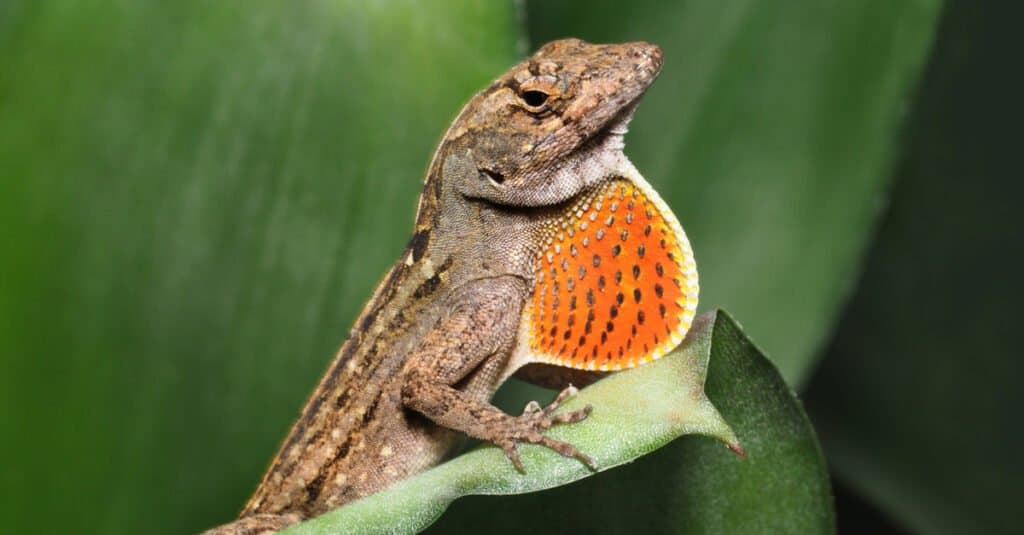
(651, 55)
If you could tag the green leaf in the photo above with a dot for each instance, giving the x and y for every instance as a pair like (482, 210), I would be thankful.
(196, 199)
(770, 133)
(636, 412)
(919, 399)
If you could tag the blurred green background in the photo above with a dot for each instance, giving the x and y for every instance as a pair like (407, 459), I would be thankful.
(197, 197)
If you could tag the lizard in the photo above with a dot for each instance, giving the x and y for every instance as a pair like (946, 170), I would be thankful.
(538, 251)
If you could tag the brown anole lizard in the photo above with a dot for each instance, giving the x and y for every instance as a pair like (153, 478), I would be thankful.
(538, 249)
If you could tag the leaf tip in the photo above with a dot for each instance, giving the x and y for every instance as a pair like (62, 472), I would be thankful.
(736, 448)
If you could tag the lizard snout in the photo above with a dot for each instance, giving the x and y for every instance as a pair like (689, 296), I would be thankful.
(649, 57)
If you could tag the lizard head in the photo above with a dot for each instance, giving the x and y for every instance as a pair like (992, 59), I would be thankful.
(614, 282)
(552, 125)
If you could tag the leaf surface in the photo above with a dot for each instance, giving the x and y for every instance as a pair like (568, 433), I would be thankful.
(636, 412)
(918, 399)
(197, 197)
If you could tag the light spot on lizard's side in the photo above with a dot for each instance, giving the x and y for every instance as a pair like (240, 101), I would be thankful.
(418, 244)
(386, 451)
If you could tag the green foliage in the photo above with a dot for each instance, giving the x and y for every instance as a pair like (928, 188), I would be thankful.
(636, 412)
(204, 195)
(196, 198)
(693, 485)
(918, 401)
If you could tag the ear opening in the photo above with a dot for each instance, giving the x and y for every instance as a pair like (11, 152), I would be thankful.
(493, 176)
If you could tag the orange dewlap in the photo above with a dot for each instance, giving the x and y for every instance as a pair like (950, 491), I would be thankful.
(616, 283)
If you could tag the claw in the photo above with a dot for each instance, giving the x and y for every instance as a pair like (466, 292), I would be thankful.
(572, 416)
(532, 408)
(568, 450)
(562, 396)
(513, 455)
(587, 460)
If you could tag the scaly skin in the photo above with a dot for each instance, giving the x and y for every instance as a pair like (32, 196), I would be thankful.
(437, 338)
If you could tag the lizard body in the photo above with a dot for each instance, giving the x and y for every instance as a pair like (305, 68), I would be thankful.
(464, 307)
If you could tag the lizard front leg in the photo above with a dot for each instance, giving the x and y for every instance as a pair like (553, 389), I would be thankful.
(459, 363)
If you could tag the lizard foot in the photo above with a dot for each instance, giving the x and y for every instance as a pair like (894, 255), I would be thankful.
(528, 427)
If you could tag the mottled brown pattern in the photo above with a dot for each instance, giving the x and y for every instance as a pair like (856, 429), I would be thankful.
(437, 338)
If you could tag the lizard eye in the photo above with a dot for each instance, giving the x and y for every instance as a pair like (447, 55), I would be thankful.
(534, 98)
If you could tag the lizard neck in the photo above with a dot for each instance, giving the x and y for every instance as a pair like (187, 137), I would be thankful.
(486, 239)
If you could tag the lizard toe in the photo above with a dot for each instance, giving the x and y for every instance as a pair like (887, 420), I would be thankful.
(565, 394)
(571, 417)
(512, 453)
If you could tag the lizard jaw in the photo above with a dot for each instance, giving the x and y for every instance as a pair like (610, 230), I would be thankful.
(612, 136)
(606, 149)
